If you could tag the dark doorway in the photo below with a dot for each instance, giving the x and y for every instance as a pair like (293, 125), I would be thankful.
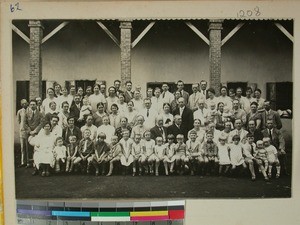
(84, 84)
(22, 92)
(280, 95)
(235, 85)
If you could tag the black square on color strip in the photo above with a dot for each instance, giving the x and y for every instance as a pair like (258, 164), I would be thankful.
(138, 209)
(124, 209)
(72, 209)
(176, 207)
(107, 209)
(159, 208)
(90, 209)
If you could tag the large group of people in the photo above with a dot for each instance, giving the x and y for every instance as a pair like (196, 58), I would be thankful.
(159, 133)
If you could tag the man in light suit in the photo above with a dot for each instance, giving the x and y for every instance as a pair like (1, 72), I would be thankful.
(183, 93)
(159, 130)
(269, 114)
(278, 141)
(186, 116)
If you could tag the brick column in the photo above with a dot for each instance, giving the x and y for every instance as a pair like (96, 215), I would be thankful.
(215, 28)
(35, 60)
(125, 27)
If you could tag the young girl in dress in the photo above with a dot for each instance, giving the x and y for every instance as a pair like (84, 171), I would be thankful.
(261, 158)
(170, 155)
(126, 157)
(223, 154)
(100, 156)
(59, 153)
(160, 152)
(148, 157)
(72, 150)
(137, 149)
(114, 154)
(194, 151)
(181, 159)
(236, 154)
(272, 157)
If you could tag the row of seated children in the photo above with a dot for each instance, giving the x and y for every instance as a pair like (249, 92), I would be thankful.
(147, 155)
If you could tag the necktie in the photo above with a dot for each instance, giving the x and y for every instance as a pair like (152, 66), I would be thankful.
(164, 94)
(85, 146)
(252, 150)
(32, 115)
(181, 93)
(270, 134)
(147, 112)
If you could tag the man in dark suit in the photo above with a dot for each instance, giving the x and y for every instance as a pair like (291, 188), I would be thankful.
(117, 85)
(75, 110)
(278, 141)
(128, 93)
(267, 114)
(159, 130)
(183, 93)
(186, 116)
(33, 121)
(176, 128)
(255, 132)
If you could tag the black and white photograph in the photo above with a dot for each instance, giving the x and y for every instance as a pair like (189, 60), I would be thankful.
(153, 108)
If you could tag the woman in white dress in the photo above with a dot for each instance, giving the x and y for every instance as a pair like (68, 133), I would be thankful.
(43, 149)
(166, 115)
(122, 104)
(107, 129)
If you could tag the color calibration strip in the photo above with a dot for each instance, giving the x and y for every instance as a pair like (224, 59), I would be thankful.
(29, 211)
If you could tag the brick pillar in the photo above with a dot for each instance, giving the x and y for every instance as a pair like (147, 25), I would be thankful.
(125, 27)
(215, 28)
(35, 60)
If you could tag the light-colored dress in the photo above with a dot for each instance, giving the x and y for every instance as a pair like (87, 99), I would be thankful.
(236, 154)
(44, 145)
(127, 150)
(223, 154)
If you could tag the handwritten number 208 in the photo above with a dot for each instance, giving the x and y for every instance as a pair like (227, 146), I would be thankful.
(14, 7)
(249, 13)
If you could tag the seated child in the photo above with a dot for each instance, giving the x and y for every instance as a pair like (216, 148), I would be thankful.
(272, 157)
(180, 154)
(148, 157)
(249, 149)
(72, 150)
(159, 152)
(170, 155)
(85, 110)
(59, 153)
(261, 158)
(137, 149)
(212, 113)
(236, 154)
(210, 150)
(223, 155)
(126, 156)
(85, 152)
(101, 151)
(194, 153)
(114, 154)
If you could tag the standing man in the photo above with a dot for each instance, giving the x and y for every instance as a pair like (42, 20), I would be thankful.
(167, 97)
(203, 87)
(186, 116)
(117, 85)
(75, 110)
(195, 98)
(21, 114)
(157, 102)
(247, 100)
(149, 114)
(183, 93)
(128, 93)
(269, 114)
(33, 123)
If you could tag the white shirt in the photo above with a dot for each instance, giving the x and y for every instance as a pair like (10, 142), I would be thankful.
(108, 130)
(167, 97)
(138, 104)
(242, 133)
(62, 98)
(157, 103)
(46, 102)
(201, 115)
(56, 131)
(110, 101)
(150, 119)
(93, 130)
(194, 100)
(181, 110)
(227, 102)
(245, 103)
